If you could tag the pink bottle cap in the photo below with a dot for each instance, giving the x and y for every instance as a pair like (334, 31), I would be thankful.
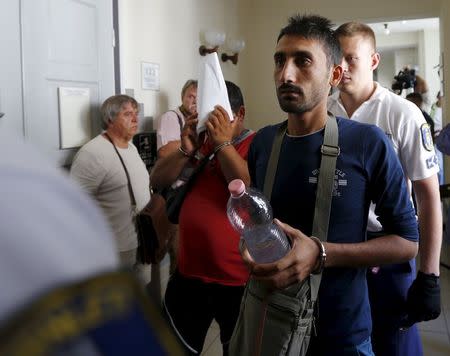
(236, 188)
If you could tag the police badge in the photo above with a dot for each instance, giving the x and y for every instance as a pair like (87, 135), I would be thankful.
(427, 138)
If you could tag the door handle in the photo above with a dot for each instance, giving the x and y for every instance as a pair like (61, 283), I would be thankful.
(2, 114)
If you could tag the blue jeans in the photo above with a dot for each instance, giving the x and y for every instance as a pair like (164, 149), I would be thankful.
(365, 348)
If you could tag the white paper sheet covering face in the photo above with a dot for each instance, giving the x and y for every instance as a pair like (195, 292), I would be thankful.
(211, 90)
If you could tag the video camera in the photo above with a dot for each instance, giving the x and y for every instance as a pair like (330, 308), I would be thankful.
(405, 79)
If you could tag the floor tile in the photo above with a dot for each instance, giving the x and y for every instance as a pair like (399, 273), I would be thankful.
(435, 344)
(214, 350)
(438, 325)
(214, 325)
(212, 346)
(435, 334)
(446, 312)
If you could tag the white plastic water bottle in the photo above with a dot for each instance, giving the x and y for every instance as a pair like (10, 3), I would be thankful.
(250, 213)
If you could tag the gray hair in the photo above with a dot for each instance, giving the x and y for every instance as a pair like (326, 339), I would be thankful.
(112, 106)
(187, 85)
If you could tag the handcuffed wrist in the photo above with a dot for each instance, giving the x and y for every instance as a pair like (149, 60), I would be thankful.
(322, 256)
(185, 153)
(429, 278)
(222, 145)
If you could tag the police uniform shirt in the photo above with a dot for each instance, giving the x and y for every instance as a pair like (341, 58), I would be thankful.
(404, 125)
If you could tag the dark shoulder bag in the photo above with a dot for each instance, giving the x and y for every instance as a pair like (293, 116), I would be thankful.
(175, 196)
(148, 243)
(280, 322)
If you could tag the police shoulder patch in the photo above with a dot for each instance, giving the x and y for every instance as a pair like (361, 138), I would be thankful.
(427, 138)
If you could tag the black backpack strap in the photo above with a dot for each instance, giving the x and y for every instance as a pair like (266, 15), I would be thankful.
(180, 120)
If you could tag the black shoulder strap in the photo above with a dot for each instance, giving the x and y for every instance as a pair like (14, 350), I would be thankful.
(180, 120)
(130, 188)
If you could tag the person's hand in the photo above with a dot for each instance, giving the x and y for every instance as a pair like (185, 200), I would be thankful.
(294, 267)
(189, 138)
(423, 302)
(220, 128)
(246, 257)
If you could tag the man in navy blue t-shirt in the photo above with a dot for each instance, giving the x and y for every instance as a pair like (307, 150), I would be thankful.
(306, 59)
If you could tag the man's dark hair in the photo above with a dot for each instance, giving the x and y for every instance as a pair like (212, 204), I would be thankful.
(235, 96)
(317, 28)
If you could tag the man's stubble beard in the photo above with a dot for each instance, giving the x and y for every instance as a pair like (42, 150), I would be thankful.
(291, 107)
(299, 108)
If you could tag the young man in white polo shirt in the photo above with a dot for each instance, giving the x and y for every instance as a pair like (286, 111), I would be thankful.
(396, 301)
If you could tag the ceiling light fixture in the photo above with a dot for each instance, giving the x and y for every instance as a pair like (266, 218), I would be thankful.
(386, 29)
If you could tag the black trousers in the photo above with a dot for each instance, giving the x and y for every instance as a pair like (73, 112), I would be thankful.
(191, 305)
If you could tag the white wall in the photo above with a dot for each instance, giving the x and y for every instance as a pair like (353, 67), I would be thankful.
(169, 33)
(397, 40)
(405, 57)
(404, 48)
(386, 68)
(425, 56)
(431, 51)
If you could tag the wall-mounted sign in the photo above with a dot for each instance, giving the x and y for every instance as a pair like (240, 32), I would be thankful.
(74, 116)
(150, 75)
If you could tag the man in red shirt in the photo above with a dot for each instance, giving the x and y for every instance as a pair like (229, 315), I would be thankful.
(210, 278)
